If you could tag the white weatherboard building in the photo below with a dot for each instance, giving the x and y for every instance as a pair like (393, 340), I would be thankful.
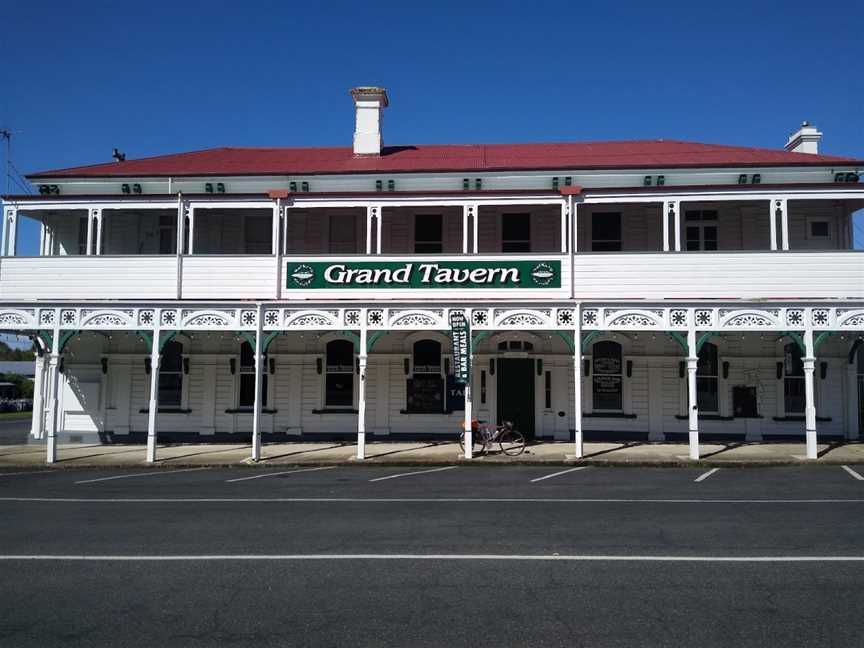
(647, 289)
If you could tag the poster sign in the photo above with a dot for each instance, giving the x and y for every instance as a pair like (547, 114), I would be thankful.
(455, 395)
(460, 333)
(420, 273)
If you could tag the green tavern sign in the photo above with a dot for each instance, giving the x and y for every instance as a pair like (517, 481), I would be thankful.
(425, 274)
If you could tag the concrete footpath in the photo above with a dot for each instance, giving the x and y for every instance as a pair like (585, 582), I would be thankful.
(432, 454)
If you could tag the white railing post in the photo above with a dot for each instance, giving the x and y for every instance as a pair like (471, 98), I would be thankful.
(809, 361)
(475, 209)
(54, 390)
(784, 224)
(370, 214)
(772, 213)
(666, 212)
(677, 216)
(379, 224)
(577, 382)
(153, 406)
(276, 248)
(259, 368)
(190, 246)
(97, 221)
(466, 228)
(361, 388)
(692, 402)
(565, 212)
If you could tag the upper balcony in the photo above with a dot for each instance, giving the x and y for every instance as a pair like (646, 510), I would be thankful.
(542, 248)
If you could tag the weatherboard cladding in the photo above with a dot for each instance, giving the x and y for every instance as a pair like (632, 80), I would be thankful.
(448, 158)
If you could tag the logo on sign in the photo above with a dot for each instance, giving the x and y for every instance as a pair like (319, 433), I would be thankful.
(303, 275)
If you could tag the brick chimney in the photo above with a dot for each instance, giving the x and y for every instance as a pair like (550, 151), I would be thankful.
(804, 140)
(369, 103)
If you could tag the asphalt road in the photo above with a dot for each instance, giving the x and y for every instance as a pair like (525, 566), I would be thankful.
(464, 556)
(14, 431)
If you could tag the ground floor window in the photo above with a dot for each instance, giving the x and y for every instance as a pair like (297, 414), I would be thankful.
(247, 378)
(608, 382)
(707, 379)
(425, 387)
(339, 379)
(793, 379)
(171, 375)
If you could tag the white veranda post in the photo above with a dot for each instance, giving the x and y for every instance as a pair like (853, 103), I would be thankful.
(692, 404)
(469, 430)
(361, 390)
(577, 384)
(54, 388)
(153, 406)
(809, 361)
(259, 367)
(37, 429)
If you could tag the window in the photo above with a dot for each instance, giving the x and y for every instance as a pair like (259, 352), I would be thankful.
(82, 235)
(820, 229)
(339, 381)
(606, 232)
(425, 388)
(428, 234)
(793, 379)
(247, 378)
(342, 234)
(515, 233)
(171, 375)
(258, 231)
(707, 379)
(608, 381)
(515, 345)
(700, 228)
(167, 234)
(547, 389)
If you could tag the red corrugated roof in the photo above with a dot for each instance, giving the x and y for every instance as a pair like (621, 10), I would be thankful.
(449, 157)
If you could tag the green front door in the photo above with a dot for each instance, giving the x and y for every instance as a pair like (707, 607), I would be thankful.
(516, 393)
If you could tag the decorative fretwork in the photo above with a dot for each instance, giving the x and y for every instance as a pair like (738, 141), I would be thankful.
(590, 317)
(46, 316)
(678, 317)
(629, 320)
(375, 317)
(850, 319)
(821, 317)
(748, 320)
(68, 317)
(271, 318)
(794, 317)
(249, 318)
(105, 320)
(352, 318)
(169, 317)
(312, 320)
(704, 318)
(479, 317)
(413, 320)
(145, 317)
(521, 319)
(565, 317)
(12, 318)
(208, 320)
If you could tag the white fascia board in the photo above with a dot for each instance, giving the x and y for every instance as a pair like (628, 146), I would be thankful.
(745, 193)
(448, 181)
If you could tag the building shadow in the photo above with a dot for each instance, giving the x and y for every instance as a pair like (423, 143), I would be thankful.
(203, 452)
(400, 450)
(623, 446)
(306, 451)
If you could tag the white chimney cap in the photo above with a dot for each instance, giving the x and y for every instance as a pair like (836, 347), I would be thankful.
(804, 140)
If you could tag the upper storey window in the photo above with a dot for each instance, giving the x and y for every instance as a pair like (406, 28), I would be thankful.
(428, 234)
(701, 230)
(516, 233)
(606, 232)
(343, 234)
(167, 234)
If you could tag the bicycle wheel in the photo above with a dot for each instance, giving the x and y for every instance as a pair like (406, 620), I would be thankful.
(478, 446)
(512, 443)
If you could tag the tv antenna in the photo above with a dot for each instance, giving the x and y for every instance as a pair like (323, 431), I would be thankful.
(6, 134)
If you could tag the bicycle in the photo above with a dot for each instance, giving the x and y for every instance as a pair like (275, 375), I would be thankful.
(510, 440)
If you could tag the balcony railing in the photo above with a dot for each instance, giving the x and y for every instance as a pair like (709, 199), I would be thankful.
(626, 276)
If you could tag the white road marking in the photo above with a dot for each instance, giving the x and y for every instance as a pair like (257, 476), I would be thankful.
(414, 472)
(284, 472)
(411, 500)
(144, 474)
(509, 557)
(854, 474)
(563, 472)
(706, 475)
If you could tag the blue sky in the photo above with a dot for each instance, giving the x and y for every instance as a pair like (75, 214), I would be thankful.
(77, 79)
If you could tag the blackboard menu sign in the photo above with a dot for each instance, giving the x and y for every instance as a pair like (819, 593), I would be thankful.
(455, 395)
(426, 394)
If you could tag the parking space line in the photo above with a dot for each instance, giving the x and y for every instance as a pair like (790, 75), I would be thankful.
(706, 475)
(284, 472)
(415, 472)
(854, 474)
(563, 472)
(144, 474)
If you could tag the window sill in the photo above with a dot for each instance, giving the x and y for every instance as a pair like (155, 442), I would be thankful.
(249, 410)
(335, 410)
(166, 410)
(712, 417)
(801, 419)
(440, 413)
(613, 415)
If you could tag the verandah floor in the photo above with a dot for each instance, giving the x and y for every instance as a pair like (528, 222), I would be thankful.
(428, 453)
